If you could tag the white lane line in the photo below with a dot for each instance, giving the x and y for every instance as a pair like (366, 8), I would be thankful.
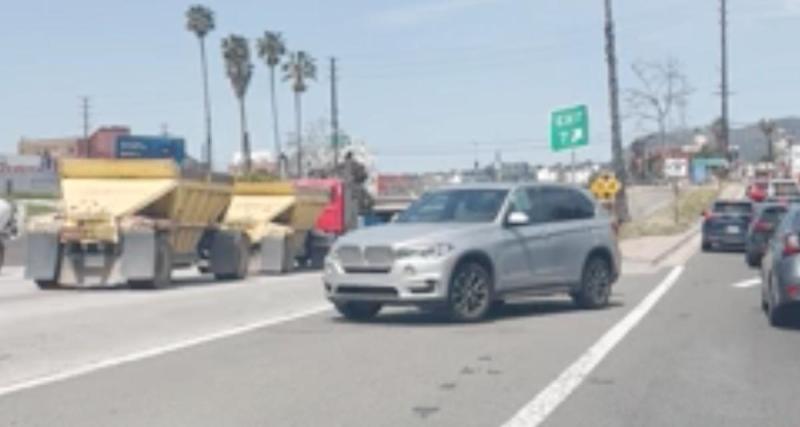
(157, 351)
(747, 283)
(538, 409)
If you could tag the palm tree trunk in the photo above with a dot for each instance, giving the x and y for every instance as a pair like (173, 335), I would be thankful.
(298, 111)
(207, 100)
(621, 202)
(246, 157)
(275, 124)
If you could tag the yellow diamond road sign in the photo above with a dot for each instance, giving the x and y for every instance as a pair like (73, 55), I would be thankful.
(605, 186)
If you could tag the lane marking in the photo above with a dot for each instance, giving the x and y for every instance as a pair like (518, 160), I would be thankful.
(747, 283)
(161, 350)
(537, 410)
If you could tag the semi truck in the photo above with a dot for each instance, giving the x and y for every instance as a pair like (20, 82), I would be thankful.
(134, 221)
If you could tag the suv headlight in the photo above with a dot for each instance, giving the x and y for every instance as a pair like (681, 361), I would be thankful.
(436, 250)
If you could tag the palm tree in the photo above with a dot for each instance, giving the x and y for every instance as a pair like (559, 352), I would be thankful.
(200, 21)
(299, 70)
(239, 68)
(271, 49)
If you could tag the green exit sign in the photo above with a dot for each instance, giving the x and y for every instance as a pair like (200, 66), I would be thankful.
(569, 128)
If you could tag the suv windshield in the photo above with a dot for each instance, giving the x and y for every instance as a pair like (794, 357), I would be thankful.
(733, 208)
(473, 205)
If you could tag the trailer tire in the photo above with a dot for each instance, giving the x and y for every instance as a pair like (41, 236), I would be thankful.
(2, 254)
(46, 285)
(163, 270)
(243, 257)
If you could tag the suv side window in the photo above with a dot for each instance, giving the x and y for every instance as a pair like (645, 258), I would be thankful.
(552, 204)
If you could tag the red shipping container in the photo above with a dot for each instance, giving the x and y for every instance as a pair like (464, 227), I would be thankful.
(103, 142)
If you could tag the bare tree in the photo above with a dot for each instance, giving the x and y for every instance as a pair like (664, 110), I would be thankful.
(663, 92)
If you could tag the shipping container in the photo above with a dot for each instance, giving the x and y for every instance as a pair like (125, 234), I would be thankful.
(103, 142)
(151, 147)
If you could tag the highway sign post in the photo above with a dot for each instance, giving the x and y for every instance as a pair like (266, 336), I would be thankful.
(569, 129)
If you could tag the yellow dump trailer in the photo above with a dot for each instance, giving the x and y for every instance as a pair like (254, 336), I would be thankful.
(134, 221)
(277, 217)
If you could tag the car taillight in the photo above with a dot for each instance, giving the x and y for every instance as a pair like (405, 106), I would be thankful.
(791, 245)
(762, 226)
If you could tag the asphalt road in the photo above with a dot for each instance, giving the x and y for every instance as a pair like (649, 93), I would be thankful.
(267, 352)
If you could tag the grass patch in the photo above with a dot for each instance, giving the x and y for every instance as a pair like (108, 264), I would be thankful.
(691, 204)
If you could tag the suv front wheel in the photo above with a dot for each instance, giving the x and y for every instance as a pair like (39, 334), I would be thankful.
(595, 290)
(471, 292)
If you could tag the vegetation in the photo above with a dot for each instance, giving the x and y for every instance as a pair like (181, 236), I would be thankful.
(271, 49)
(236, 52)
(200, 21)
(299, 70)
(691, 204)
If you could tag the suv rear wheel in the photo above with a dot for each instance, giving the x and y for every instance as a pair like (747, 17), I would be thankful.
(595, 288)
(471, 292)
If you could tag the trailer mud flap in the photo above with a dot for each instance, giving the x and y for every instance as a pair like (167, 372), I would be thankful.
(139, 255)
(44, 253)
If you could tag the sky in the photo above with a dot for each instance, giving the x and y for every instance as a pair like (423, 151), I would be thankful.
(427, 84)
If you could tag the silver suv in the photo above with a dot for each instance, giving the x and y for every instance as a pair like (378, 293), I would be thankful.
(464, 248)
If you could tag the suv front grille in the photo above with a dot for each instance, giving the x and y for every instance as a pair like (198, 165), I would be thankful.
(372, 259)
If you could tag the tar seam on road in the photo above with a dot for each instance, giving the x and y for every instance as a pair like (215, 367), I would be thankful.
(537, 410)
(157, 351)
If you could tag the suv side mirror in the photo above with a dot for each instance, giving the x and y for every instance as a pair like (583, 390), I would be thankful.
(517, 218)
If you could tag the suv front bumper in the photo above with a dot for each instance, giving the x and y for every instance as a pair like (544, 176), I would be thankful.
(409, 281)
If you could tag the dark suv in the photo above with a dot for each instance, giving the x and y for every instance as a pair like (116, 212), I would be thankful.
(726, 223)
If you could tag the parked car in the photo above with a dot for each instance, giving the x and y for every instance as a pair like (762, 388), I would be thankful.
(767, 216)
(466, 247)
(780, 270)
(725, 225)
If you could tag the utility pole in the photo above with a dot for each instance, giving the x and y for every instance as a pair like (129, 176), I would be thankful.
(85, 113)
(725, 123)
(334, 115)
(618, 157)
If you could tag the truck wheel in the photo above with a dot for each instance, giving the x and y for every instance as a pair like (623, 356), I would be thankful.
(46, 285)
(358, 311)
(470, 293)
(243, 266)
(595, 288)
(2, 254)
(163, 269)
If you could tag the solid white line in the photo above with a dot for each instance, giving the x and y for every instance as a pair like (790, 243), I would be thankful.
(538, 409)
(158, 351)
(747, 283)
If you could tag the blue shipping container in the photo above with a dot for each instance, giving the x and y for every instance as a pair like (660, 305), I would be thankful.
(150, 147)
